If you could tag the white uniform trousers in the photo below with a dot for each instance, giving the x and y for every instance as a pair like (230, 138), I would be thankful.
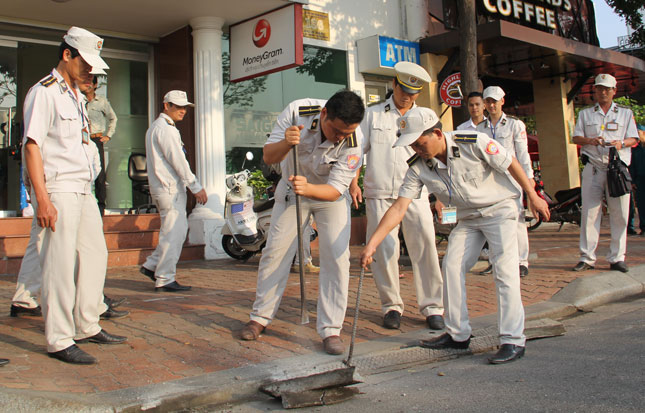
(522, 234)
(73, 261)
(172, 235)
(333, 222)
(498, 226)
(29, 277)
(594, 187)
(419, 235)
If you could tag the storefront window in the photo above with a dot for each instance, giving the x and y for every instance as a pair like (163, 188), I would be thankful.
(28, 54)
(252, 106)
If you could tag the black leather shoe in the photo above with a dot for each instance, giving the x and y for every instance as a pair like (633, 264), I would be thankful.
(16, 310)
(524, 270)
(487, 271)
(113, 302)
(444, 341)
(582, 266)
(435, 322)
(507, 353)
(173, 287)
(103, 337)
(112, 314)
(619, 266)
(148, 273)
(4, 362)
(392, 320)
(74, 355)
(631, 231)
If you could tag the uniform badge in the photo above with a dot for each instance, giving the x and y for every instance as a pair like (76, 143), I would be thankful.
(523, 134)
(492, 148)
(353, 161)
(314, 124)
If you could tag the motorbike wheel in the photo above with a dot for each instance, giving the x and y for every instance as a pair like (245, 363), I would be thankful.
(234, 250)
(532, 222)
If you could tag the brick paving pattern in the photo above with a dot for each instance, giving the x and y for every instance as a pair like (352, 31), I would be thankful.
(173, 336)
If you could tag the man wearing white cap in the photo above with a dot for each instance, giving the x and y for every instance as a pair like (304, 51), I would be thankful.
(60, 163)
(510, 132)
(384, 173)
(599, 128)
(467, 171)
(168, 175)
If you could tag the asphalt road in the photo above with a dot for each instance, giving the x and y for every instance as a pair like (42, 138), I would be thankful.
(597, 366)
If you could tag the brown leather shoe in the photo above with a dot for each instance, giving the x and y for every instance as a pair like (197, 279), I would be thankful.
(333, 345)
(251, 330)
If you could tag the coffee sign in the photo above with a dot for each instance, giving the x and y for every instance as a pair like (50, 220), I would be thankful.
(527, 11)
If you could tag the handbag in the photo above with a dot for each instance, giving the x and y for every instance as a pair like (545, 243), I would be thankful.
(619, 181)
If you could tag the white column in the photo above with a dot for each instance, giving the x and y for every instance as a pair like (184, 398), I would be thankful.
(205, 222)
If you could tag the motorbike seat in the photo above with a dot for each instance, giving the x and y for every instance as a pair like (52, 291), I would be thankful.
(567, 194)
(260, 206)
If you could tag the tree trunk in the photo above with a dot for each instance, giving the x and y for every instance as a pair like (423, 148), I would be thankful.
(468, 47)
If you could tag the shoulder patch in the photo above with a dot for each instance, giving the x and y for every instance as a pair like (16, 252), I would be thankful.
(48, 81)
(309, 110)
(465, 138)
(352, 142)
(413, 159)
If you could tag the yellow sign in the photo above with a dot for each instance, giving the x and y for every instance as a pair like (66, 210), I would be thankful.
(315, 24)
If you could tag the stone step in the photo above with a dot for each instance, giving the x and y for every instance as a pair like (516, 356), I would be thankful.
(116, 258)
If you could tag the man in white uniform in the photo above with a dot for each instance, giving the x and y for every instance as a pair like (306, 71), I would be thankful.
(600, 127)
(60, 164)
(384, 173)
(510, 132)
(327, 136)
(168, 175)
(467, 172)
(25, 299)
(475, 104)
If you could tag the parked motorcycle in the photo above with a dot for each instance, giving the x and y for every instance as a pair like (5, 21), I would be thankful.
(565, 208)
(247, 221)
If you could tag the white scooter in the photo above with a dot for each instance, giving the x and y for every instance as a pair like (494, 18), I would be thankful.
(246, 222)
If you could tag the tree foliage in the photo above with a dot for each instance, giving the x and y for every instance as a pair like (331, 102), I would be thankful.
(240, 93)
(631, 11)
(638, 110)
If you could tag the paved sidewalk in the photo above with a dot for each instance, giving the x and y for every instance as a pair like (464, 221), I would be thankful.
(183, 336)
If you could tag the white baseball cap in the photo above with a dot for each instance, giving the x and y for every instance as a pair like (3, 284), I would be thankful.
(413, 124)
(411, 77)
(177, 97)
(97, 71)
(88, 45)
(494, 92)
(606, 80)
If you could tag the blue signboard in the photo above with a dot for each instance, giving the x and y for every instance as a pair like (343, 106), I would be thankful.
(393, 51)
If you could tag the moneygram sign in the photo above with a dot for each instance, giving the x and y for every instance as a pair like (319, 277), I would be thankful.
(267, 43)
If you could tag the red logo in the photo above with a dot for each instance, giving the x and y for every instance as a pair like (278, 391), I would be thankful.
(261, 33)
(450, 90)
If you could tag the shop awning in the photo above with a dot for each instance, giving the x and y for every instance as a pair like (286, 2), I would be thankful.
(509, 51)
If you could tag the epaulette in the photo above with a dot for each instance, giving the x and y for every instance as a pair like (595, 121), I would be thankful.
(622, 106)
(413, 159)
(512, 117)
(352, 142)
(483, 121)
(465, 138)
(48, 81)
(309, 110)
(169, 122)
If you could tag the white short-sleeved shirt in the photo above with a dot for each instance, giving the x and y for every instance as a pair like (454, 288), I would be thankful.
(511, 133)
(168, 169)
(468, 125)
(385, 166)
(320, 161)
(474, 179)
(55, 118)
(617, 124)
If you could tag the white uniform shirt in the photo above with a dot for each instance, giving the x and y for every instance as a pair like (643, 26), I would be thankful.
(168, 169)
(469, 125)
(102, 116)
(55, 119)
(386, 166)
(511, 133)
(617, 124)
(474, 179)
(320, 161)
